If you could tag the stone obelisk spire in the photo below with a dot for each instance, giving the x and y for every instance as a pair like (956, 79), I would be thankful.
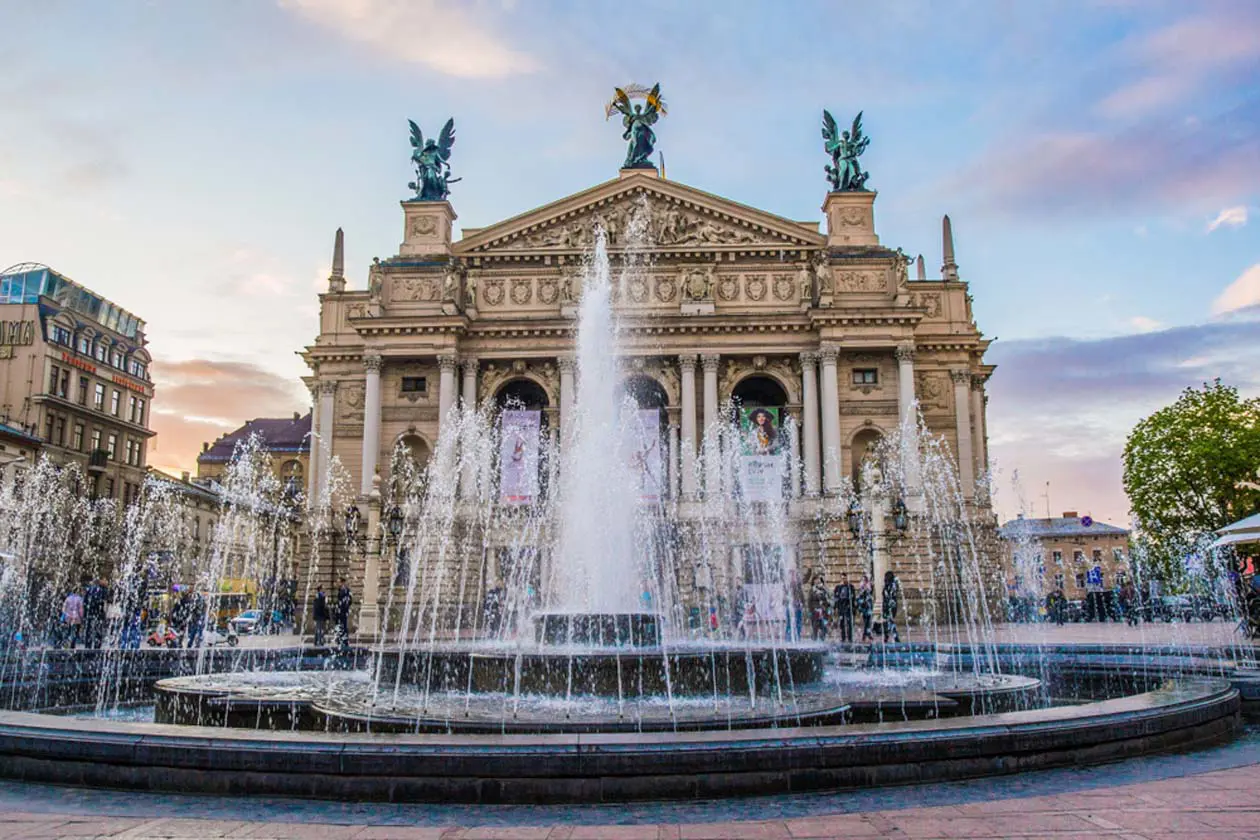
(337, 279)
(949, 268)
(920, 269)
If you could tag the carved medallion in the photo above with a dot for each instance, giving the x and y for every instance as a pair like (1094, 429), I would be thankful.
(666, 289)
(933, 389)
(638, 289)
(852, 216)
(927, 301)
(728, 287)
(755, 286)
(493, 292)
(351, 397)
(522, 291)
(424, 226)
(548, 290)
(783, 286)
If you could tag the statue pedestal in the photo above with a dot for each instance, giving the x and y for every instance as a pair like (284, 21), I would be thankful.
(426, 229)
(850, 219)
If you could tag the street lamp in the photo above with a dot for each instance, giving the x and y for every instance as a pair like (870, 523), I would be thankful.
(395, 523)
(353, 519)
(900, 520)
(855, 519)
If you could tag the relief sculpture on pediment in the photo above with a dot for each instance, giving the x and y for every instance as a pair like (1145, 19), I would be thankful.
(862, 281)
(933, 389)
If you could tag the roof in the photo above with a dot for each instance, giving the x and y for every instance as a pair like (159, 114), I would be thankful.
(27, 282)
(279, 434)
(1058, 526)
(15, 433)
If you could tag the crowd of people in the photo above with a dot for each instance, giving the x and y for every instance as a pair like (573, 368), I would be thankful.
(827, 609)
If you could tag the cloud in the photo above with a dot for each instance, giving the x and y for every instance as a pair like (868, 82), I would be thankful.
(1229, 217)
(1242, 294)
(447, 37)
(198, 400)
(1143, 324)
(1061, 408)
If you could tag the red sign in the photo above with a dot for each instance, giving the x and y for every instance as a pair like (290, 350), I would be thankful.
(79, 363)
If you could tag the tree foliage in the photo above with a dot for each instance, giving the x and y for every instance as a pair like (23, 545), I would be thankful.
(1183, 467)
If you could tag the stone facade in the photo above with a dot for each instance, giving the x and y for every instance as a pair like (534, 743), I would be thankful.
(1044, 554)
(830, 320)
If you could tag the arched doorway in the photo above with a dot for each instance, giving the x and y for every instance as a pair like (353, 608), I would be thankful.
(407, 465)
(766, 428)
(645, 391)
(646, 441)
(521, 461)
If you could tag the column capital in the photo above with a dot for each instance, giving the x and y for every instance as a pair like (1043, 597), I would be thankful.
(828, 353)
(978, 380)
(372, 362)
(673, 428)
(687, 361)
(567, 363)
(905, 351)
(328, 387)
(809, 358)
(448, 362)
(710, 362)
(960, 377)
(470, 364)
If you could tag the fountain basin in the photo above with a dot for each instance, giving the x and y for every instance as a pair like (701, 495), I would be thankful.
(634, 629)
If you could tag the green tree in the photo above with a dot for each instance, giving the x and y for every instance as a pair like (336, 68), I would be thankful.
(1184, 465)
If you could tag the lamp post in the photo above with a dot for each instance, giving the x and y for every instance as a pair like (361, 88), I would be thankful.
(369, 610)
(394, 527)
(873, 535)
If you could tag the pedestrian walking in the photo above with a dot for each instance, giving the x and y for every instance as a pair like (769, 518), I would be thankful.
(320, 611)
(843, 608)
(866, 606)
(892, 599)
(196, 620)
(72, 617)
(344, 602)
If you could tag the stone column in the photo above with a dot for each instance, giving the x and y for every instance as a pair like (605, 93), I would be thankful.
(675, 472)
(567, 366)
(446, 388)
(978, 449)
(879, 555)
(962, 416)
(809, 422)
(371, 420)
(909, 420)
(312, 462)
(832, 454)
(687, 447)
(369, 609)
(327, 393)
(712, 451)
(470, 366)
(794, 465)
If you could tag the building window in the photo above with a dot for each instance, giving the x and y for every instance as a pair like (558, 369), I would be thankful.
(112, 446)
(96, 440)
(101, 352)
(1097, 555)
(414, 385)
(137, 369)
(61, 335)
(1058, 558)
(1058, 580)
(865, 376)
(131, 409)
(61, 431)
(49, 422)
(109, 488)
(1078, 557)
(1080, 580)
(85, 346)
(139, 421)
(1117, 554)
(53, 378)
(84, 385)
(115, 402)
(76, 441)
(99, 399)
(118, 360)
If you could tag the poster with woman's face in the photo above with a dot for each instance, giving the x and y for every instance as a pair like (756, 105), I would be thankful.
(761, 432)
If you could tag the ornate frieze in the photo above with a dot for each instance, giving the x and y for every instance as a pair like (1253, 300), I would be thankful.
(755, 287)
(522, 290)
(784, 286)
(492, 291)
(412, 289)
(862, 281)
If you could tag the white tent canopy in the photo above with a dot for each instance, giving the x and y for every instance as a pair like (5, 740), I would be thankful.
(1243, 531)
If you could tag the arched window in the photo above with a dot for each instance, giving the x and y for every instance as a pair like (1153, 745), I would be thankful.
(865, 445)
(411, 456)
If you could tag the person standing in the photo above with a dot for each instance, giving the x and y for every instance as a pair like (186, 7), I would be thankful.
(866, 606)
(72, 616)
(196, 620)
(95, 597)
(320, 611)
(819, 599)
(892, 598)
(344, 602)
(1128, 603)
(843, 604)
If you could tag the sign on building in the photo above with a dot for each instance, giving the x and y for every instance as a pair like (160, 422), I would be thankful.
(643, 448)
(16, 332)
(518, 457)
(763, 449)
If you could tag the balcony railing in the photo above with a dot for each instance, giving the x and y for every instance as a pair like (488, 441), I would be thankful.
(98, 460)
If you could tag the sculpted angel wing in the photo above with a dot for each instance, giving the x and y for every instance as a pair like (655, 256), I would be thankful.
(855, 134)
(829, 127)
(417, 137)
(621, 102)
(446, 139)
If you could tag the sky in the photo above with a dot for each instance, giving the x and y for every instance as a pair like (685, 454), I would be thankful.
(1100, 161)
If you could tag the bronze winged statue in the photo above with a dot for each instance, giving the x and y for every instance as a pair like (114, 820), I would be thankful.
(638, 121)
(844, 173)
(433, 171)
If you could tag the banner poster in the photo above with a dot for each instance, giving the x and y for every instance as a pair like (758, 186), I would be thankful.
(643, 448)
(518, 457)
(763, 444)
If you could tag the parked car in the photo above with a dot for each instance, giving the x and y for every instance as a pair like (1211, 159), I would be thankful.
(1073, 610)
(248, 621)
(1175, 608)
(212, 636)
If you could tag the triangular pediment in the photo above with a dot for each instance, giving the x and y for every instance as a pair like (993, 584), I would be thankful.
(679, 218)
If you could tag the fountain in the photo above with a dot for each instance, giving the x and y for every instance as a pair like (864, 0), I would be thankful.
(586, 677)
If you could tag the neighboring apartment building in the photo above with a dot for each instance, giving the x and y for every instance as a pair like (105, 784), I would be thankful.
(286, 439)
(18, 450)
(1068, 552)
(74, 372)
